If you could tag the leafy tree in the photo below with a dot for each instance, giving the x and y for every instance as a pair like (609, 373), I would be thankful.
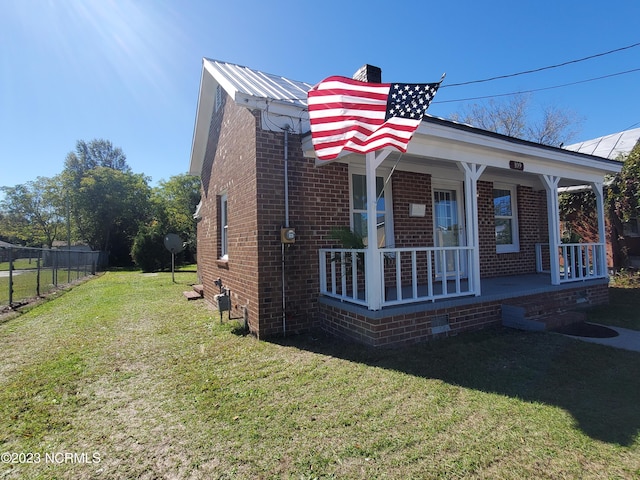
(34, 212)
(623, 202)
(110, 205)
(89, 155)
(175, 202)
(515, 118)
(108, 201)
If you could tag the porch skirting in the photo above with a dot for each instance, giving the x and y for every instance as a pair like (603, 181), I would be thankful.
(403, 325)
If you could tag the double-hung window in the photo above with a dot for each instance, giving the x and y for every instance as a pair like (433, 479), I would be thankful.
(506, 218)
(224, 227)
(384, 221)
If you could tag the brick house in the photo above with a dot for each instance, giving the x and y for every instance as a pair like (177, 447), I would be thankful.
(456, 230)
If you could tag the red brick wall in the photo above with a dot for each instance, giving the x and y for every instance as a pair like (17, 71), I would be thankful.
(408, 188)
(318, 202)
(532, 228)
(414, 327)
(229, 168)
(247, 163)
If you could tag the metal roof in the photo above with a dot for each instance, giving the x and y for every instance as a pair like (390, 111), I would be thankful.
(248, 81)
(609, 146)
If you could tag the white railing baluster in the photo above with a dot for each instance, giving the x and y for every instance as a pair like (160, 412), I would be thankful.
(457, 254)
(398, 276)
(429, 273)
(414, 275)
(343, 273)
(337, 288)
(354, 274)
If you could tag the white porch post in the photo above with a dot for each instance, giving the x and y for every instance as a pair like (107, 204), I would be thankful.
(373, 267)
(553, 217)
(602, 238)
(472, 172)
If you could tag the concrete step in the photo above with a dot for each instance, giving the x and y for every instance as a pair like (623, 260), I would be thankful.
(191, 295)
(195, 294)
(522, 318)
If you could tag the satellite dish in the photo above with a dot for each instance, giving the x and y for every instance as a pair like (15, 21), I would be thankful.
(173, 243)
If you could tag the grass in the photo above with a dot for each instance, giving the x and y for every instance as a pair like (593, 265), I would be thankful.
(122, 369)
(25, 283)
(624, 301)
(19, 264)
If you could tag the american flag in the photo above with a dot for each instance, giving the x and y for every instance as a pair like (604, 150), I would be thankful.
(362, 117)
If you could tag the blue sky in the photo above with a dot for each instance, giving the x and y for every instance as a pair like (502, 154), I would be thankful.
(129, 71)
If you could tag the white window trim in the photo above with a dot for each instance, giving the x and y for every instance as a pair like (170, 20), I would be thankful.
(224, 227)
(515, 246)
(388, 204)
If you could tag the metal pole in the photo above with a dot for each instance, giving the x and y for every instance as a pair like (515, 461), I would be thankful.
(10, 277)
(173, 266)
(68, 240)
(38, 274)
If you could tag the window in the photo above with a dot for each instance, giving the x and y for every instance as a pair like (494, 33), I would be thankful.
(383, 209)
(218, 97)
(630, 228)
(224, 225)
(504, 208)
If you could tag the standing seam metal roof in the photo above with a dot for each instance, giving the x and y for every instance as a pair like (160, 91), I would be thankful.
(609, 146)
(259, 84)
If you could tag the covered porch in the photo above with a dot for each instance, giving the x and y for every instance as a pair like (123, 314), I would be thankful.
(431, 274)
(462, 220)
(484, 199)
(529, 302)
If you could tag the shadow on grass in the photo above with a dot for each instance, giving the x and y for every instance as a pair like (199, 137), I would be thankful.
(622, 310)
(598, 385)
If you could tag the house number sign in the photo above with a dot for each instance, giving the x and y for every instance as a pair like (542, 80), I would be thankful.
(516, 165)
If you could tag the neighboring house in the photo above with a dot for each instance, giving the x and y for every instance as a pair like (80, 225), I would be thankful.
(455, 239)
(615, 146)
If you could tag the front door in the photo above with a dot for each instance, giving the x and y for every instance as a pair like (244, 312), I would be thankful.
(449, 230)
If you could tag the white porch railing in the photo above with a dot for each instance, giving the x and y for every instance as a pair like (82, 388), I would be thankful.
(409, 275)
(342, 274)
(578, 261)
(425, 274)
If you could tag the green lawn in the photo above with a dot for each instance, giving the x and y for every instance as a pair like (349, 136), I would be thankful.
(19, 264)
(137, 382)
(624, 304)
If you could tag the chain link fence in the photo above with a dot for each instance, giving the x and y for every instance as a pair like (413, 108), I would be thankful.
(27, 273)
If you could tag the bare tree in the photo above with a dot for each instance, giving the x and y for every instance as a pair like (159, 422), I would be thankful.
(516, 118)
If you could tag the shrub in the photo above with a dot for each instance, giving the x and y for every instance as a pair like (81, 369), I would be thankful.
(148, 251)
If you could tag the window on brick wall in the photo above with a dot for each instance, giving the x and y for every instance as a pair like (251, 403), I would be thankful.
(218, 97)
(506, 219)
(224, 226)
(631, 228)
(358, 202)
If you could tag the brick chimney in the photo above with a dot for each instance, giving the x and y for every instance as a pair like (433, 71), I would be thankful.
(368, 73)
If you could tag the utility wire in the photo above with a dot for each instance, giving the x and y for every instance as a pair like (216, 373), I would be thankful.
(537, 89)
(541, 68)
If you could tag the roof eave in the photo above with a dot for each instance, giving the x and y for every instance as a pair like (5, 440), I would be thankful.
(204, 111)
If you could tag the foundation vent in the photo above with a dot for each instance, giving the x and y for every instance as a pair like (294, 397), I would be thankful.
(440, 324)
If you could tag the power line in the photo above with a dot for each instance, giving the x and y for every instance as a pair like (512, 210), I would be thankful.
(541, 68)
(538, 89)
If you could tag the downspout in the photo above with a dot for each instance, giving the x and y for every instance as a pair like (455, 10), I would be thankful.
(286, 224)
